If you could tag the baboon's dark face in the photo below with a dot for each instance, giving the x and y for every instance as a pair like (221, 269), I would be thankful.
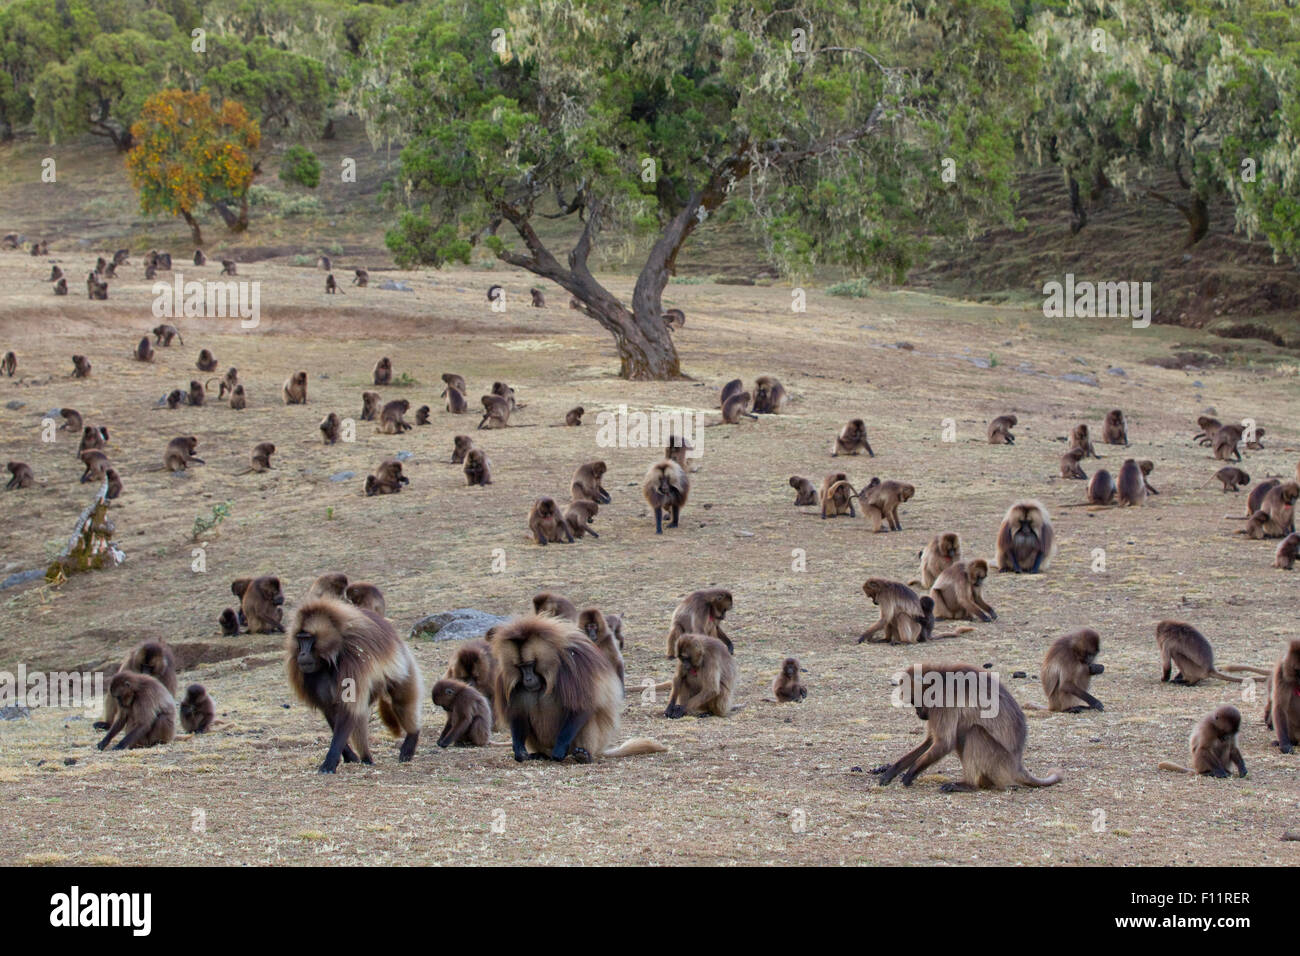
(307, 659)
(720, 605)
(546, 509)
(271, 592)
(444, 695)
(790, 670)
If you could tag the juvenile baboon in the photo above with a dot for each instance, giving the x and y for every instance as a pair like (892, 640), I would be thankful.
(180, 453)
(989, 741)
(22, 476)
(573, 417)
(673, 318)
(114, 484)
(452, 380)
(207, 362)
(579, 515)
(503, 390)
(805, 491)
(383, 372)
(1255, 498)
(556, 605)
(837, 495)
(329, 428)
(461, 444)
(474, 664)
(1287, 551)
(392, 420)
(145, 712)
(1025, 540)
(1282, 710)
(557, 693)
(787, 687)
(332, 287)
(958, 592)
(153, 659)
(366, 595)
(1068, 668)
(587, 483)
(1114, 431)
(361, 279)
(260, 602)
(197, 709)
(80, 366)
(227, 382)
(592, 623)
(61, 286)
(228, 267)
(260, 460)
(706, 674)
(495, 409)
(387, 479)
(1132, 484)
(92, 437)
(734, 387)
(1213, 745)
(469, 715)
(9, 365)
(71, 420)
(1101, 489)
(199, 258)
(422, 415)
(1185, 647)
(1070, 467)
(615, 624)
(144, 351)
(701, 612)
(539, 300)
(735, 408)
(880, 503)
(332, 584)
(294, 389)
(456, 403)
(1000, 430)
(196, 394)
(666, 488)
(769, 395)
(900, 609)
(546, 523)
(229, 622)
(163, 335)
(343, 660)
(1079, 438)
(478, 469)
(851, 438)
(1233, 478)
(238, 398)
(942, 551)
(96, 463)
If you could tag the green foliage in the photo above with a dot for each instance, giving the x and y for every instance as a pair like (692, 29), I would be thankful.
(206, 523)
(282, 204)
(853, 288)
(300, 166)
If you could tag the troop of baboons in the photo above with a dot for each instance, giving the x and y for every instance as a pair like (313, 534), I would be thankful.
(554, 679)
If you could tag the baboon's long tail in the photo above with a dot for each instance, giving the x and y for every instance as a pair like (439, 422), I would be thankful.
(1235, 680)
(1243, 669)
(1177, 768)
(637, 746)
(1029, 780)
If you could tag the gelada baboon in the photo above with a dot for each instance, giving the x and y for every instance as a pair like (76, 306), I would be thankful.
(1025, 541)
(180, 453)
(387, 479)
(196, 394)
(61, 286)
(1101, 488)
(593, 623)
(392, 420)
(197, 709)
(366, 595)
(22, 476)
(469, 715)
(474, 664)
(96, 463)
(769, 395)
(80, 366)
(422, 415)
(496, 410)
(1000, 430)
(151, 658)
(706, 675)
(1080, 438)
(369, 406)
(163, 335)
(1186, 648)
(1068, 668)
(579, 516)
(238, 398)
(329, 428)
(206, 362)
(261, 603)
(478, 469)
(1070, 467)
(144, 351)
(734, 387)
(989, 741)
(456, 403)
(145, 712)
(452, 380)
(9, 365)
(837, 495)
(1285, 556)
(735, 408)
(1213, 745)
(343, 660)
(199, 258)
(557, 693)
(880, 503)
(958, 592)
(361, 279)
(1132, 485)
(332, 584)
(587, 483)
(332, 287)
(294, 389)
(851, 439)
(260, 459)
(1114, 431)
(573, 417)
(673, 318)
(787, 687)
(228, 267)
(666, 489)
(461, 445)
(805, 491)
(900, 612)
(556, 605)
(546, 523)
(942, 551)
(539, 300)
(383, 372)
(701, 612)
(229, 622)
(1232, 477)
(1282, 710)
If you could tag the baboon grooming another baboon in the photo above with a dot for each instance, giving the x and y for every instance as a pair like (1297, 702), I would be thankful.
(587, 483)
(666, 488)
(1213, 745)
(557, 693)
(701, 612)
(1025, 541)
(1000, 430)
(343, 660)
(151, 658)
(990, 742)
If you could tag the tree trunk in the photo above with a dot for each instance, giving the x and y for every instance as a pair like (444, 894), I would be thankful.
(194, 227)
(1078, 215)
(1195, 211)
(235, 223)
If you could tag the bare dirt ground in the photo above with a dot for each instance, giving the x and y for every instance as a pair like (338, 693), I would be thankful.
(732, 790)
